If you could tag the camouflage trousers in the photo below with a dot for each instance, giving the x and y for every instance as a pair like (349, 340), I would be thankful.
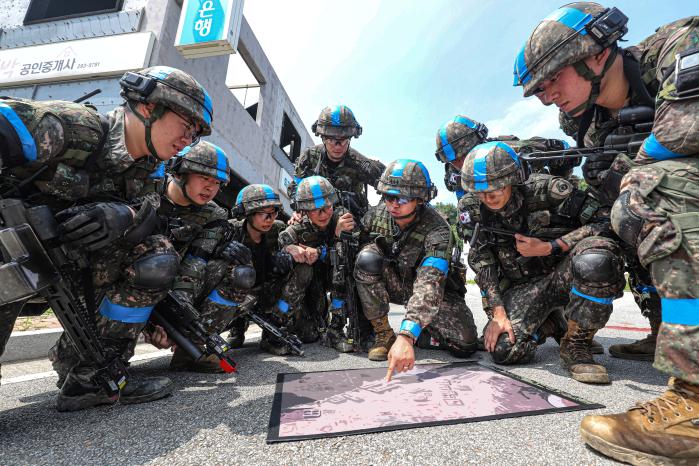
(586, 300)
(117, 281)
(452, 324)
(220, 302)
(641, 285)
(663, 198)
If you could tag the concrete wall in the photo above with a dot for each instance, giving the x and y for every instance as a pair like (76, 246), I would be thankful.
(252, 146)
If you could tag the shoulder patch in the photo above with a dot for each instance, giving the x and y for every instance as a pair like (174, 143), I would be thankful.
(560, 188)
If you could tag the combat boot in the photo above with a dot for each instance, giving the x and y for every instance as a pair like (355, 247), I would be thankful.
(555, 326)
(236, 332)
(577, 358)
(639, 350)
(182, 362)
(80, 392)
(335, 337)
(660, 431)
(385, 336)
(272, 345)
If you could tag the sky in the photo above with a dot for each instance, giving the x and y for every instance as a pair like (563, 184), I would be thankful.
(405, 67)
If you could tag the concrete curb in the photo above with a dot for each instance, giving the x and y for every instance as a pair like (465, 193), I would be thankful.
(32, 344)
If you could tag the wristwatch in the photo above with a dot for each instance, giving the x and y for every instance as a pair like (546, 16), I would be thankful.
(556, 248)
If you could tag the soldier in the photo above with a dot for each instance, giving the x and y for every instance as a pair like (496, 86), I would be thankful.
(196, 226)
(458, 136)
(524, 277)
(572, 60)
(257, 206)
(346, 169)
(69, 153)
(409, 262)
(309, 242)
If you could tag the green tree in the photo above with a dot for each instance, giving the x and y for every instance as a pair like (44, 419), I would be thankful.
(449, 211)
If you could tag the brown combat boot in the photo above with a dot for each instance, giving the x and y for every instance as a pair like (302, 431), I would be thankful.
(555, 326)
(182, 362)
(660, 431)
(577, 358)
(384, 339)
(639, 350)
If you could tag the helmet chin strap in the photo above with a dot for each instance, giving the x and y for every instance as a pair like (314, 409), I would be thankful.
(403, 217)
(596, 79)
(252, 224)
(181, 181)
(157, 112)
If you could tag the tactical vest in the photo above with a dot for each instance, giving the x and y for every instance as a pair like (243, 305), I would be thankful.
(407, 249)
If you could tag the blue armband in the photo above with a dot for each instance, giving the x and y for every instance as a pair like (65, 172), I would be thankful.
(126, 314)
(437, 262)
(215, 297)
(283, 306)
(592, 298)
(680, 311)
(412, 327)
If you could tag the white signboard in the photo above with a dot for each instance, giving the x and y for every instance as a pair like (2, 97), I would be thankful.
(284, 180)
(209, 27)
(101, 56)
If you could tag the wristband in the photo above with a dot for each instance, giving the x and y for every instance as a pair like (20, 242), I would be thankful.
(556, 249)
(413, 328)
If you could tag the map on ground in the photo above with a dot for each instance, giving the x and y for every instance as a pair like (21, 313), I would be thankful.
(356, 401)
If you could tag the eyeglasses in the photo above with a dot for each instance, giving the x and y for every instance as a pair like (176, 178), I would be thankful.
(388, 199)
(190, 129)
(268, 215)
(336, 141)
(326, 209)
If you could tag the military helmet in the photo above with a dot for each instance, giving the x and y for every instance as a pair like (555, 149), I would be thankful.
(457, 137)
(314, 192)
(566, 37)
(256, 197)
(173, 89)
(337, 122)
(407, 178)
(205, 159)
(491, 166)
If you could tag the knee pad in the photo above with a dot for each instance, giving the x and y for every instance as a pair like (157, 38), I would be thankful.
(625, 222)
(461, 350)
(155, 272)
(243, 277)
(503, 347)
(596, 266)
(370, 262)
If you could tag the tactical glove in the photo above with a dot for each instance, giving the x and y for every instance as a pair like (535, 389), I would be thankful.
(595, 167)
(237, 253)
(282, 263)
(94, 226)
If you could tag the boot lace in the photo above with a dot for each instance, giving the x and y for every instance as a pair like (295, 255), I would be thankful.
(580, 345)
(666, 405)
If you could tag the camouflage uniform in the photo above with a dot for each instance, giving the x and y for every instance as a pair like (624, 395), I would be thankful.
(353, 172)
(458, 136)
(417, 267)
(87, 159)
(657, 210)
(529, 288)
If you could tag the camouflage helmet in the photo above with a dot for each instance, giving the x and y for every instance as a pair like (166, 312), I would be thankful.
(407, 178)
(566, 37)
(457, 137)
(256, 197)
(314, 192)
(173, 89)
(489, 167)
(337, 122)
(204, 159)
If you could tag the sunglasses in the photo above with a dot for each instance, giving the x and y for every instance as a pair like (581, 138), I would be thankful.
(336, 141)
(388, 199)
(268, 215)
(325, 209)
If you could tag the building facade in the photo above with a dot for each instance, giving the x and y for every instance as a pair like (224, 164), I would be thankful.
(63, 49)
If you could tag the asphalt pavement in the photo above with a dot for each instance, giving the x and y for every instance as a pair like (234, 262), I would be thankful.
(220, 419)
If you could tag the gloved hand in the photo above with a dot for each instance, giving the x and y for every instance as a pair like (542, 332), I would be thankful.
(237, 253)
(282, 263)
(94, 226)
(596, 166)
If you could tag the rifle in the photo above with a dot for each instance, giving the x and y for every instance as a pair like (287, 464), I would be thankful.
(634, 125)
(343, 266)
(87, 96)
(501, 232)
(290, 339)
(348, 200)
(35, 263)
(181, 320)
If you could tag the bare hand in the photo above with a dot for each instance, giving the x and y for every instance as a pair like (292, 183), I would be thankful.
(295, 218)
(159, 338)
(532, 247)
(344, 223)
(401, 357)
(498, 325)
(312, 255)
(297, 252)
